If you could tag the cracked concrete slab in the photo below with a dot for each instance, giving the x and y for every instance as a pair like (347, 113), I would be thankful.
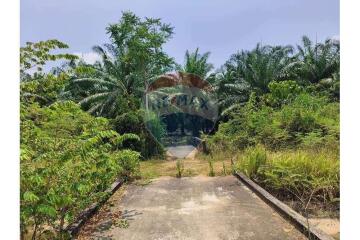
(195, 208)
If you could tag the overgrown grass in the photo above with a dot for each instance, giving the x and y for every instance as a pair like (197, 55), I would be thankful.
(306, 179)
(252, 160)
(156, 167)
(310, 179)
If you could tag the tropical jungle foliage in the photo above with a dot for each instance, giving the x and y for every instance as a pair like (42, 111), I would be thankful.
(68, 159)
(82, 124)
(296, 121)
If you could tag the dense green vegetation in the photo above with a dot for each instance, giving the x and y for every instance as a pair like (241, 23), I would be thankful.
(68, 159)
(287, 117)
(285, 133)
(82, 125)
(309, 180)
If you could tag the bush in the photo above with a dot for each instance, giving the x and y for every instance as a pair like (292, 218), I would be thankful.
(129, 122)
(68, 159)
(44, 90)
(129, 163)
(282, 93)
(304, 119)
(133, 122)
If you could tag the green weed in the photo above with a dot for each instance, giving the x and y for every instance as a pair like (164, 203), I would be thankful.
(254, 158)
(211, 168)
(224, 169)
(179, 168)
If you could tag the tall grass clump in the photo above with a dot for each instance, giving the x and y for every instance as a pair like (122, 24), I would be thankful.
(253, 159)
(211, 167)
(303, 175)
(179, 168)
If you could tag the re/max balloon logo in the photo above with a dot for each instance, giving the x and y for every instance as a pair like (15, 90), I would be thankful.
(182, 100)
(178, 108)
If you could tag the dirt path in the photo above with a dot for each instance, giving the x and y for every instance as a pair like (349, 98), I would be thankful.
(188, 208)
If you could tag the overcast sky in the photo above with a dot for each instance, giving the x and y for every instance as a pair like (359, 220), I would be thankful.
(219, 26)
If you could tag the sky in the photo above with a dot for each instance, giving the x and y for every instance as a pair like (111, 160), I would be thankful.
(222, 27)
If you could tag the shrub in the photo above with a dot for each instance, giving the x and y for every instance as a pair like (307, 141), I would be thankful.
(305, 118)
(68, 159)
(129, 163)
(282, 92)
(43, 90)
(133, 122)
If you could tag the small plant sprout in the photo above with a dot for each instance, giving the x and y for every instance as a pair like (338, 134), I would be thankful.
(232, 165)
(122, 223)
(211, 168)
(224, 168)
(179, 168)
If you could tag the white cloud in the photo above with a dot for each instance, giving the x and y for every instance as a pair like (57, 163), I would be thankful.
(89, 57)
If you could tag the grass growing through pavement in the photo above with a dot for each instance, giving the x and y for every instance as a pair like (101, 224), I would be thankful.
(198, 165)
(294, 176)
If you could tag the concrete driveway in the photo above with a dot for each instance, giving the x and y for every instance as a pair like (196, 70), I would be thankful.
(180, 151)
(193, 208)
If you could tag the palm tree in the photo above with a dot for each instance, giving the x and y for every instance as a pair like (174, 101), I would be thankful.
(257, 68)
(108, 81)
(251, 71)
(197, 63)
(134, 57)
(230, 93)
(316, 62)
